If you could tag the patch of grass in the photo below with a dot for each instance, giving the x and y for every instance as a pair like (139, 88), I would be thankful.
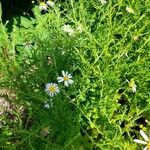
(106, 50)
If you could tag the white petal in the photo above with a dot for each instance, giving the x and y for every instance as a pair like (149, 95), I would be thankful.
(55, 84)
(66, 73)
(46, 105)
(70, 81)
(66, 83)
(145, 137)
(134, 88)
(60, 79)
(57, 90)
(52, 94)
(50, 3)
(49, 94)
(47, 89)
(103, 1)
(63, 73)
(47, 85)
(146, 148)
(139, 141)
(69, 75)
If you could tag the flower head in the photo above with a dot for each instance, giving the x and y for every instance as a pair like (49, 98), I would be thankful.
(43, 6)
(66, 78)
(132, 85)
(51, 89)
(129, 10)
(67, 28)
(50, 3)
(103, 2)
(145, 142)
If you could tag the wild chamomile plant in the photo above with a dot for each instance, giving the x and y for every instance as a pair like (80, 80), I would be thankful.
(81, 70)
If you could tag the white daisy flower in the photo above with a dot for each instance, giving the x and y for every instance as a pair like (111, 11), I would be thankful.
(129, 10)
(50, 3)
(103, 2)
(67, 28)
(52, 89)
(43, 6)
(145, 142)
(67, 78)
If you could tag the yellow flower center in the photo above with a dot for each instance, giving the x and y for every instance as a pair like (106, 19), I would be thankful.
(148, 145)
(42, 4)
(66, 78)
(52, 89)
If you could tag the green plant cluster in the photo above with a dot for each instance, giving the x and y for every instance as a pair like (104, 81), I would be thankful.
(106, 48)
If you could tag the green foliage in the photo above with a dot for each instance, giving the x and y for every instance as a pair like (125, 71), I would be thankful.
(107, 53)
(0, 12)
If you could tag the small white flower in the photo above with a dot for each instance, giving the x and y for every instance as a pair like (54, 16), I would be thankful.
(80, 29)
(50, 3)
(129, 10)
(67, 28)
(43, 6)
(145, 142)
(51, 89)
(103, 2)
(46, 105)
(67, 78)
(132, 85)
(71, 32)
(28, 45)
